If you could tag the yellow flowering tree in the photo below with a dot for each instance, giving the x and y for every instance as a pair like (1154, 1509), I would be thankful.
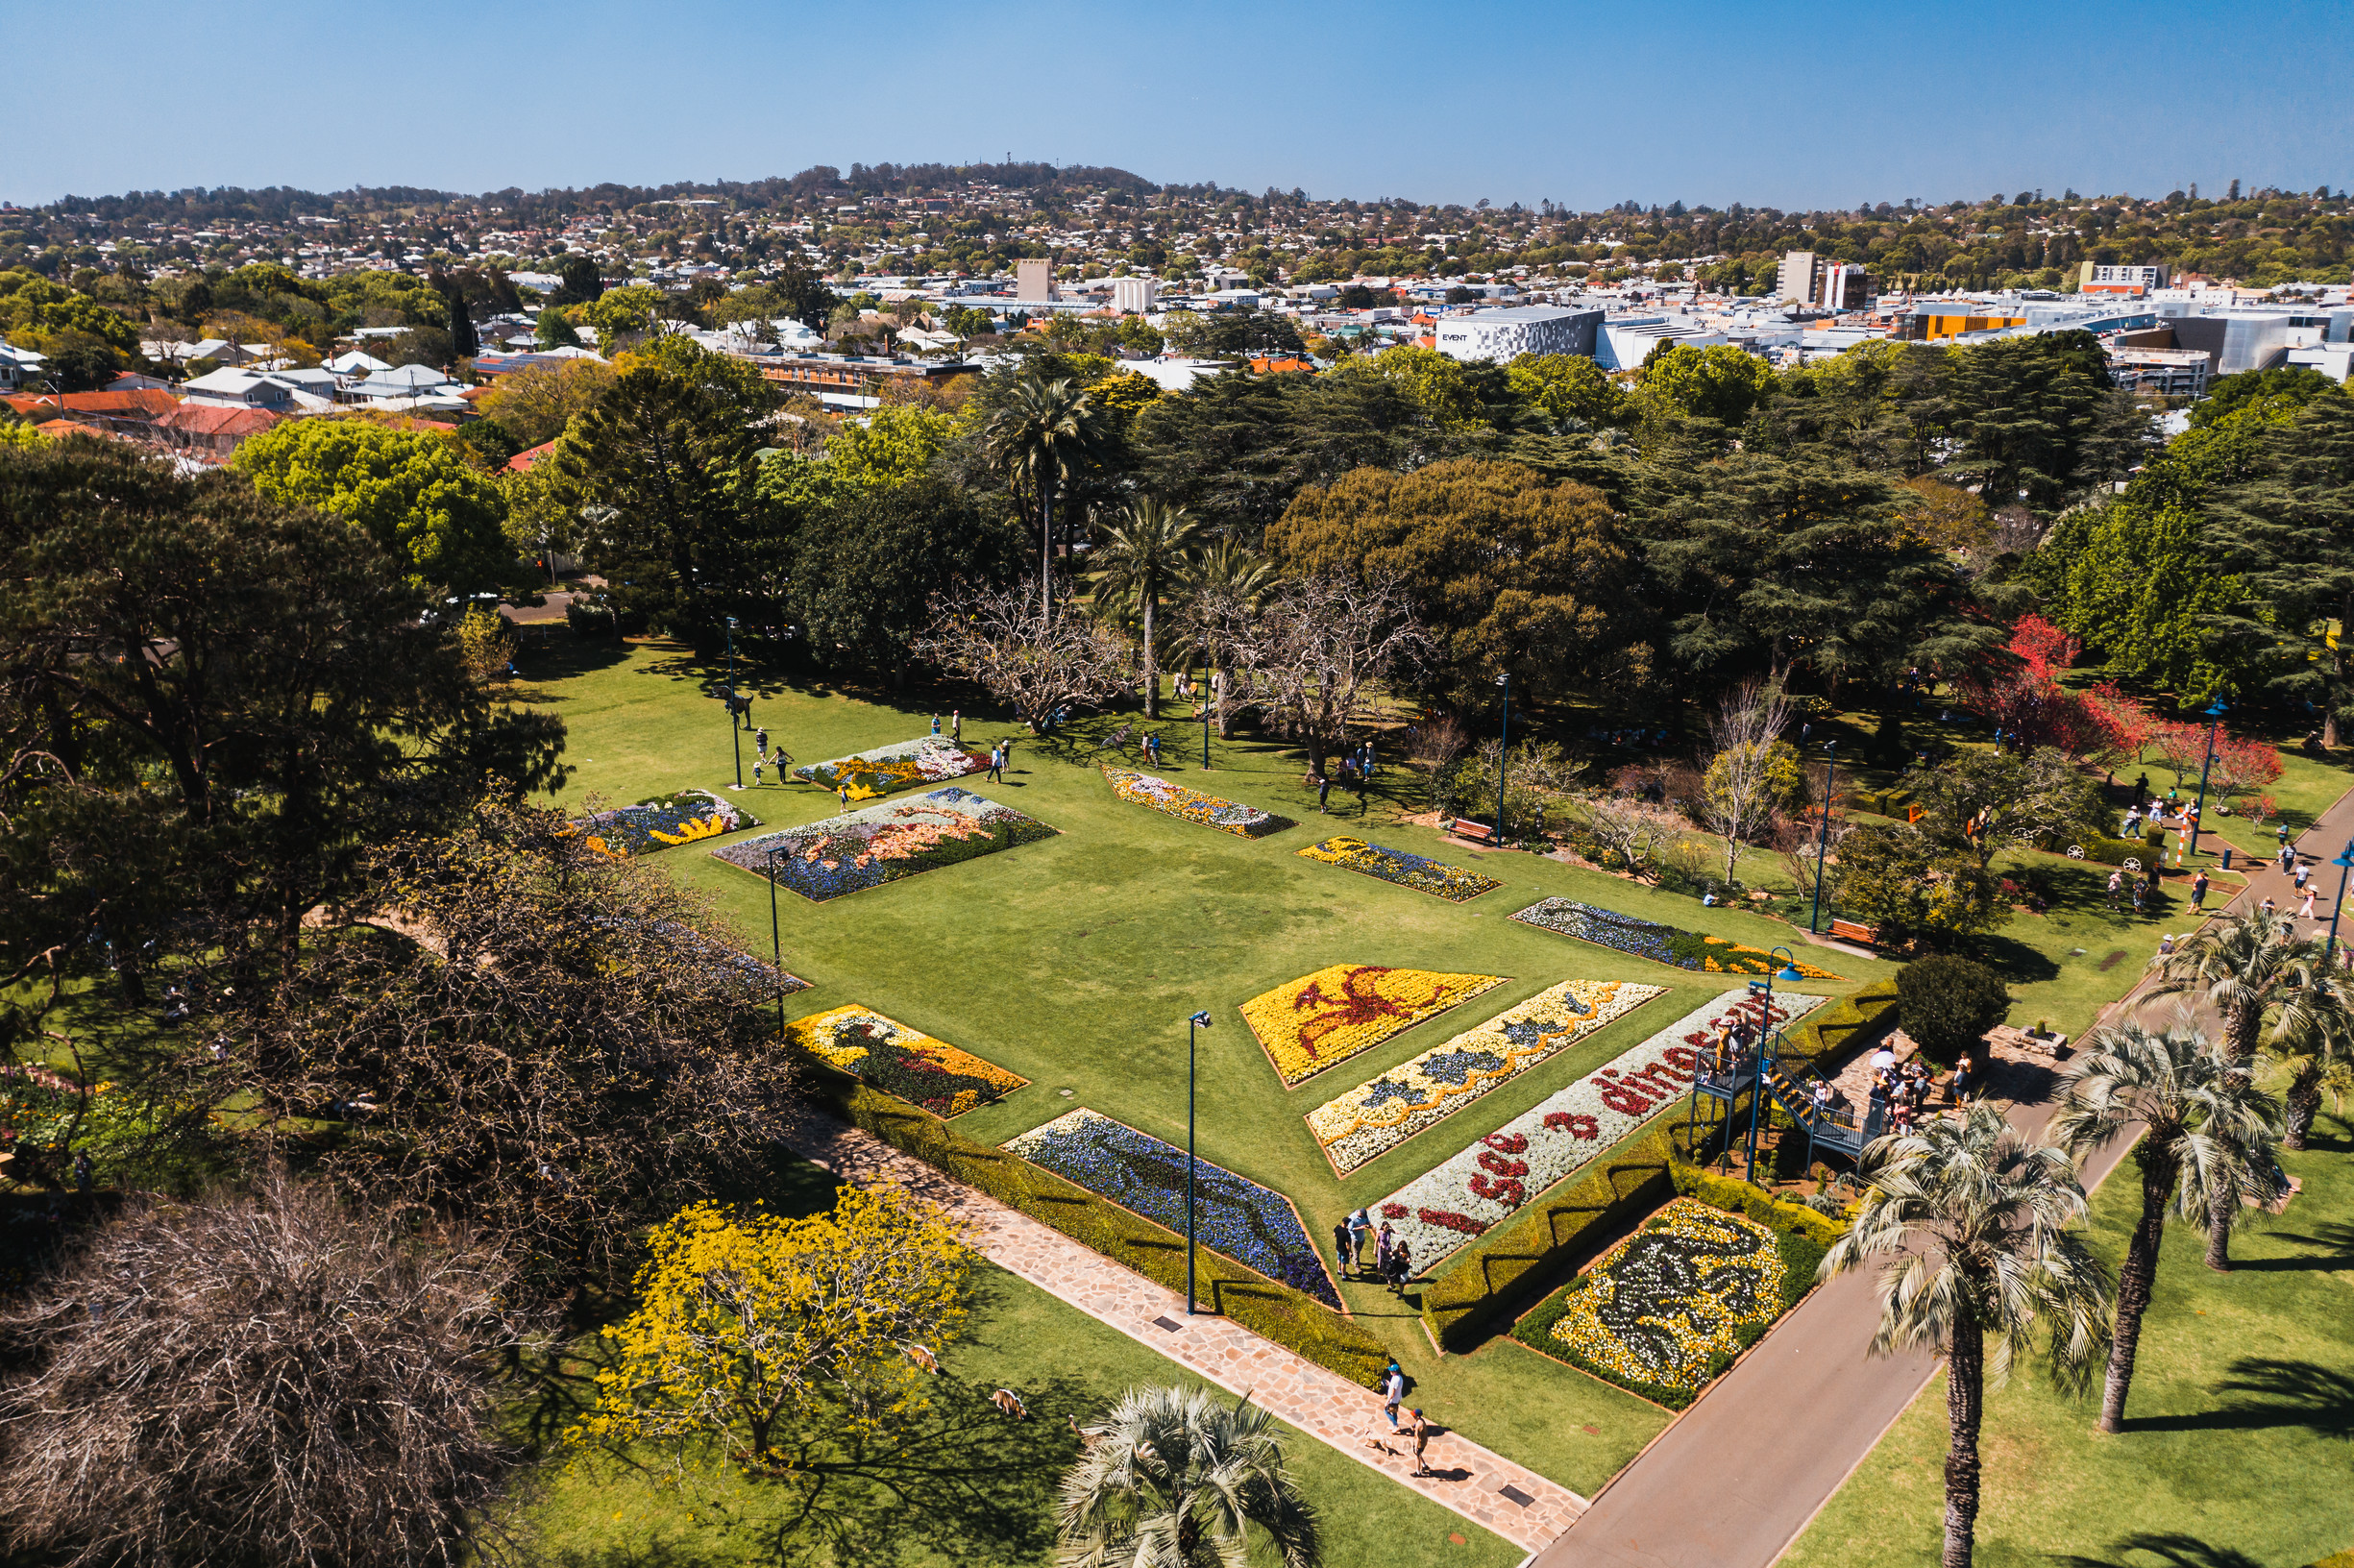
(753, 1329)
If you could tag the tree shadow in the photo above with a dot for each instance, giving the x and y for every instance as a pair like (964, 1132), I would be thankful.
(2014, 960)
(2172, 1550)
(2336, 1237)
(2273, 1393)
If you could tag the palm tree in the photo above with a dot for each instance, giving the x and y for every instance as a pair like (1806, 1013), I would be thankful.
(1038, 433)
(1971, 1220)
(1140, 561)
(2207, 1132)
(2261, 975)
(1226, 579)
(2318, 1053)
(1175, 1479)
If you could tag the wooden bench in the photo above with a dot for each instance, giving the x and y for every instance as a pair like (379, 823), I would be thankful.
(1850, 931)
(1473, 832)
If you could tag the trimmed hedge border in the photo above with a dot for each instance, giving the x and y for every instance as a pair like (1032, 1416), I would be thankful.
(1831, 1029)
(1275, 1312)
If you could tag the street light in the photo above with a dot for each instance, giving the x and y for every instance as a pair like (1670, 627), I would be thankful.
(1193, 1027)
(1504, 741)
(2214, 717)
(1823, 839)
(734, 741)
(1207, 674)
(2344, 864)
(1787, 973)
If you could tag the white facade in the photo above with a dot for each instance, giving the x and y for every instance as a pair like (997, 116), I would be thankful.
(1134, 296)
(1508, 333)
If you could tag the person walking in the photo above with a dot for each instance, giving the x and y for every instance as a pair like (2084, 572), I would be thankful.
(2306, 913)
(1401, 1267)
(2198, 892)
(997, 763)
(1393, 1392)
(2301, 872)
(2133, 823)
(2116, 885)
(956, 727)
(1385, 1240)
(1324, 790)
(760, 736)
(2287, 856)
(842, 790)
(758, 757)
(1422, 1443)
(1342, 1247)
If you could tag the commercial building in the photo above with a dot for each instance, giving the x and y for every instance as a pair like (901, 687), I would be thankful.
(1034, 280)
(1512, 330)
(2175, 373)
(1843, 288)
(1801, 277)
(848, 381)
(1134, 296)
(2096, 278)
(1626, 343)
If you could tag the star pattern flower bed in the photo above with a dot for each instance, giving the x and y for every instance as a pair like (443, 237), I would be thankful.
(1324, 1018)
(927, 759)
(885, 842)
(1440, 1211)
(902, 1060)
(1406, 869)
(1234, 1217)
(1374, 1118)
(1667, 1310)
(1193, 806)
(664, 821)
(1649, 939)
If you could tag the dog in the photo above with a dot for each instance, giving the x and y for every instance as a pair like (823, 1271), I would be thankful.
(923, 1358)
(1006, 1400)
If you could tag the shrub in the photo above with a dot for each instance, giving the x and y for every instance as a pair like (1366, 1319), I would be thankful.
(1948, 1003)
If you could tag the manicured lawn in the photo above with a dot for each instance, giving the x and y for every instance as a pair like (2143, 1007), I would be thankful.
(2237, 1437)
(1075, 962)
(1064, 1365)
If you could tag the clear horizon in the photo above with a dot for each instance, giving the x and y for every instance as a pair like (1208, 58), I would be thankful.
(1777, 105)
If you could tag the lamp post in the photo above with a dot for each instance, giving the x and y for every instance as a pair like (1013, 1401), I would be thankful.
(1207, 676)
(776, 944)
(2214, 717)
(1504, 741)
(2344, 864)
(734, 742)
(1193, 1027)
(1789, 971)
(1823, 839)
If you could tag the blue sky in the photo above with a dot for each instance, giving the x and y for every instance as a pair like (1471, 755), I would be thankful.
(1766, 102)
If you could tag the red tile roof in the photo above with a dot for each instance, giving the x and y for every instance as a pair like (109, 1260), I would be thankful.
(218, 419)
(147, 402)
(522, 461)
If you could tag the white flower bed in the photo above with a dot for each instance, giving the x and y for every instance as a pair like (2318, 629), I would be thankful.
(1445, 1208)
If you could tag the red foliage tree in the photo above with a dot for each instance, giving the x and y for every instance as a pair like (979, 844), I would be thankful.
(2026, 701)
(2242, 763)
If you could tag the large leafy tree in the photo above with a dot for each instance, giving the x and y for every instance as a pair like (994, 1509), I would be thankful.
(865, 562)
(1508, 571)
(2288, 534)
(2207, 1134)
(1971, 1225)
(1174, 1478)
(410, 491)
(1144, 556)
(1988, 802)
(2039, 421)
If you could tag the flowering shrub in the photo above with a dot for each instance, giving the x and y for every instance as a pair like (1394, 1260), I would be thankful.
(894, 1058)
(1463, 1197)
(883, 844)
(1375, 1117)
(927, 759)
(1419, 873)
(1325, 1018)
(1193, 806)
(1648, 939)
(1254, 1226)
(663, 822)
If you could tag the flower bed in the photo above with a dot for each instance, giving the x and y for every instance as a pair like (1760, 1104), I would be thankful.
(1666, 1310)
(899, 1059)
(1438, 1212)
(663, 822)
(1324, 1018)
(1251, 1224)
(1648, 939)
(1419, 873)
(1193, 806)
(927, 759)
(1374, 1118)
(883, 844)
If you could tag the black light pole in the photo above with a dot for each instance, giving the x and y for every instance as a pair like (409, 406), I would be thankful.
(1823, 839)
(1194, 1025)
(733, 740)
(2214, 717)
(1205, 700)
(1503, 742)
(776, 945)
(2344, 864)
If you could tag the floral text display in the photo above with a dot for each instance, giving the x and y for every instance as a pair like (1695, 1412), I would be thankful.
(884, 842)
(1648, 939)
(1193, 806)
(1441, 1210)
(1406, 869)
(872, 775)
(900, 1061)
(1325, 1018)
(1233, 1217)
(1375, 1117)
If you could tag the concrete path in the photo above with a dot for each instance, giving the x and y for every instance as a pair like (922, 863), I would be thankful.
(1735, 1479)
(1491, 1492)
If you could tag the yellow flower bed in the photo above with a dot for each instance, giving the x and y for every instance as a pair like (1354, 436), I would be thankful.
(1323, 1018)
(1669, 1301)
(902, 1060)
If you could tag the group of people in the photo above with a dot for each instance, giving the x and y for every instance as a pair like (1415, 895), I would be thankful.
(1356, 770)
(1904, 1091)
(1394, 1261)
(761, 757)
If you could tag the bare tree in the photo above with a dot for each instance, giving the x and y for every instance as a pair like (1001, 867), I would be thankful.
(1632, 830)
(1024, 647)
(1742, 796)
(1805, 845)
(1317, 649)
(272, 1378)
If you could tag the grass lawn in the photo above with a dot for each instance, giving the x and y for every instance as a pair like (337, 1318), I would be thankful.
(1075, 962)
(1063, 1363)
(2236, 1447)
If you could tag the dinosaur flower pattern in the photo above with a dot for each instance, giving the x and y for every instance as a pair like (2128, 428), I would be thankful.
(1324, 1018)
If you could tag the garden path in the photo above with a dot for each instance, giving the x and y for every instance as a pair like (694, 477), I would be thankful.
(1478, 1485)
(1732, 1481)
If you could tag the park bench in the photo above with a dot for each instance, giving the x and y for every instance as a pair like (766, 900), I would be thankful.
(1473, 832)
(1850, 931)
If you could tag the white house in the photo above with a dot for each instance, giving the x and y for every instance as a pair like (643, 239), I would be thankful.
(238, 389)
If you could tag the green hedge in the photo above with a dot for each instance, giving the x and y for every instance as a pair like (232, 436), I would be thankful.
(1276, 1311)
(1737, 1196)
(2100, 847)
(1464, 1305)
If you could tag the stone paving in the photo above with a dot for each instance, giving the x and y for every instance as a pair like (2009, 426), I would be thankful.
(1518, 1505)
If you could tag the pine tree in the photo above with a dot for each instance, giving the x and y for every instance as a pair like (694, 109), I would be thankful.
(2290, 534)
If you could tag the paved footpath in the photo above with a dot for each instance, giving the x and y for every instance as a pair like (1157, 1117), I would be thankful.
(1518, 1505)
(1734, 1479)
